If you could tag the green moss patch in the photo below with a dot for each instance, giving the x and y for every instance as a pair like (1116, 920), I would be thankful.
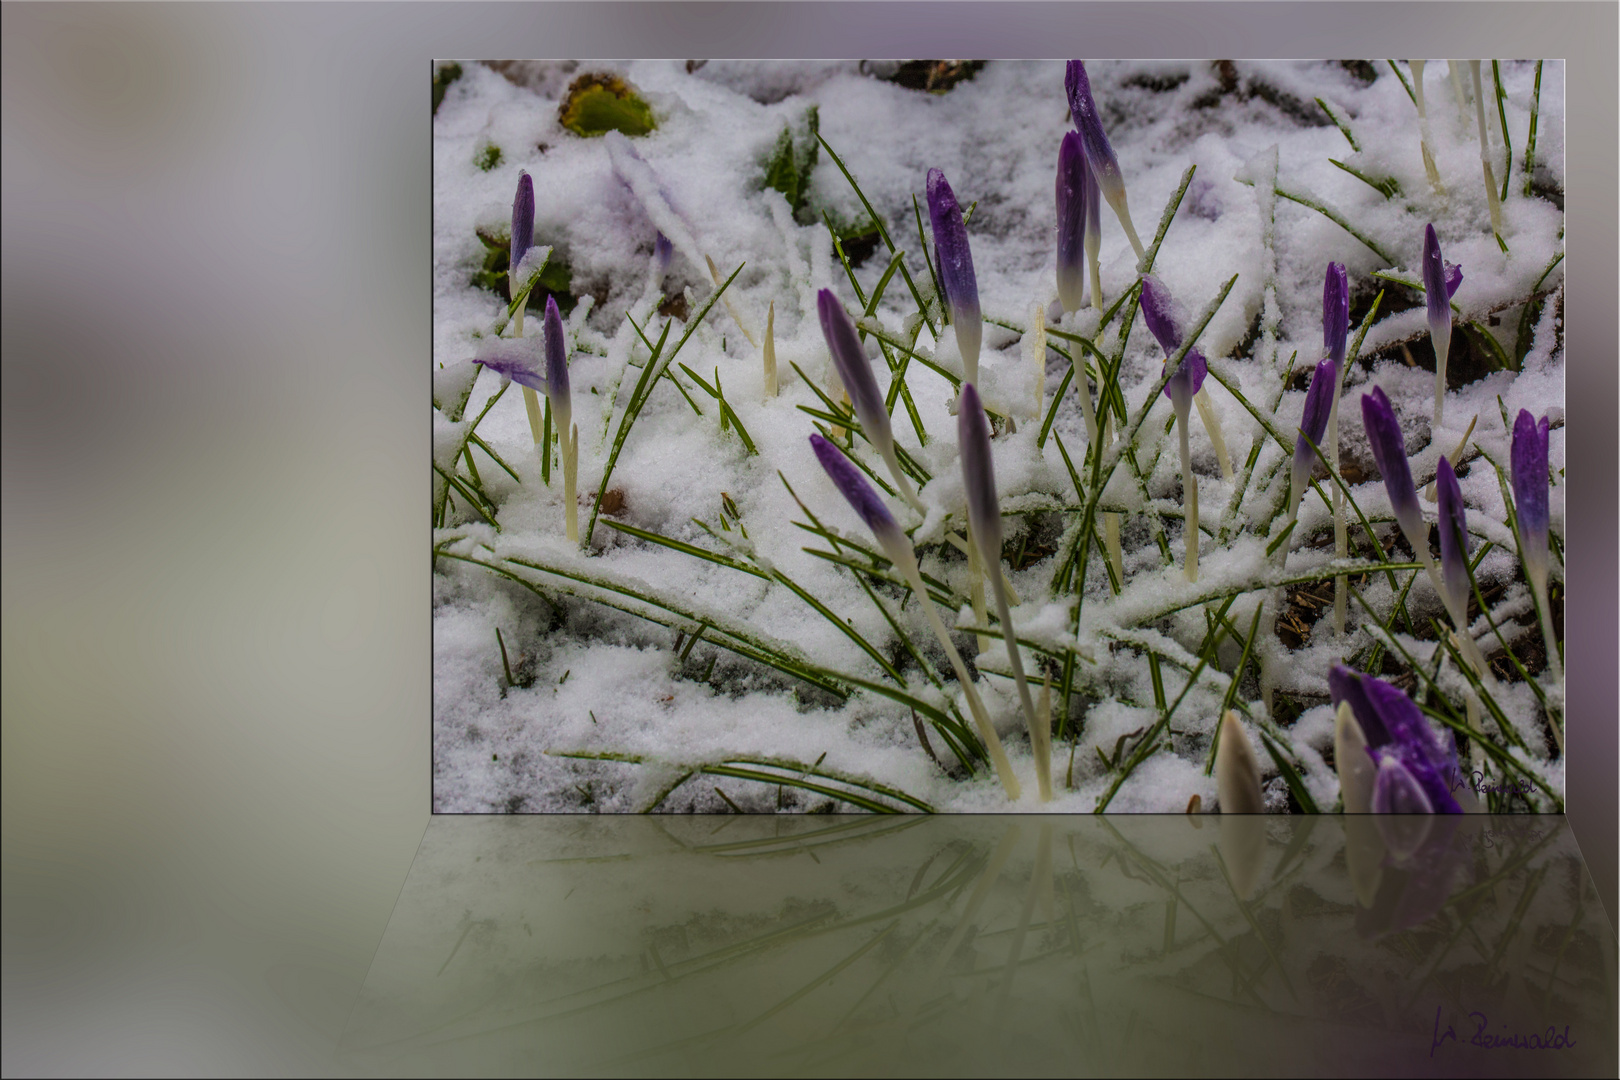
(597, 104)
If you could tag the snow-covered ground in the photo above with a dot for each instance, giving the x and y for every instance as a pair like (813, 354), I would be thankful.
(603, 680)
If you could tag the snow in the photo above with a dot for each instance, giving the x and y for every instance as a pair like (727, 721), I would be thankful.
(596, 680)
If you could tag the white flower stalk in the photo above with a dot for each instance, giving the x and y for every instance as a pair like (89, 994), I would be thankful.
(769, 355)
(1455, 71)
(1485, 153)
(736, 316)
(1189, 499)
(1425, 139)
(1006, 583)
(1212, 425)
(984, 517)
(1034, 343)
(1042, 736)
(897, 546)
(981, 613)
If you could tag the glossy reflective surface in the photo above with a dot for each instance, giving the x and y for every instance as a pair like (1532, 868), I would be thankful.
(992, 945)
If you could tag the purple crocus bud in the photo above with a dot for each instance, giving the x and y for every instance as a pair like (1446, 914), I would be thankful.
(1189, 377)
(853, 486)
(1389, 451)
(1346, 685)
(1397, 791)
(1453, 543)
(1440, 280)
(1099, 154)
(1083, 111)
(1529, 470)
(1074, 186)
(1313, 425)
(522, 222)
(854, 370)
(1335, 313)
(557, 367)
(1165, 321)
(1397, 731)
(978, 474)
(513, 358)
(1161, 313)
(956, 271)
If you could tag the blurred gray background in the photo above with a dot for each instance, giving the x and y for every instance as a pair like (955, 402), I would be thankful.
(215, 330)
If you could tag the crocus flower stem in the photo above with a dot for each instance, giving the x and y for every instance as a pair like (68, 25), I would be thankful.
(1111, 540)
(976, 586)
(1423, 126)
(984, 517)
(1189, 490)
(1035, 355)
(731, 307)
(981, 718)
(1212, 426)
(1485, 153)
(537, 428)
(897, 546)
(1455, 72)
(1094, 242)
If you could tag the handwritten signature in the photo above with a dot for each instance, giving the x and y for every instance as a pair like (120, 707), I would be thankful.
(1476, 780)
(1485, 1040)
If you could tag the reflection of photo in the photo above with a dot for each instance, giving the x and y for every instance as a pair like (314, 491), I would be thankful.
(948, 435)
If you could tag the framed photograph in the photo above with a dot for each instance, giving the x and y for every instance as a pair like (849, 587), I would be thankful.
(963, 435)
